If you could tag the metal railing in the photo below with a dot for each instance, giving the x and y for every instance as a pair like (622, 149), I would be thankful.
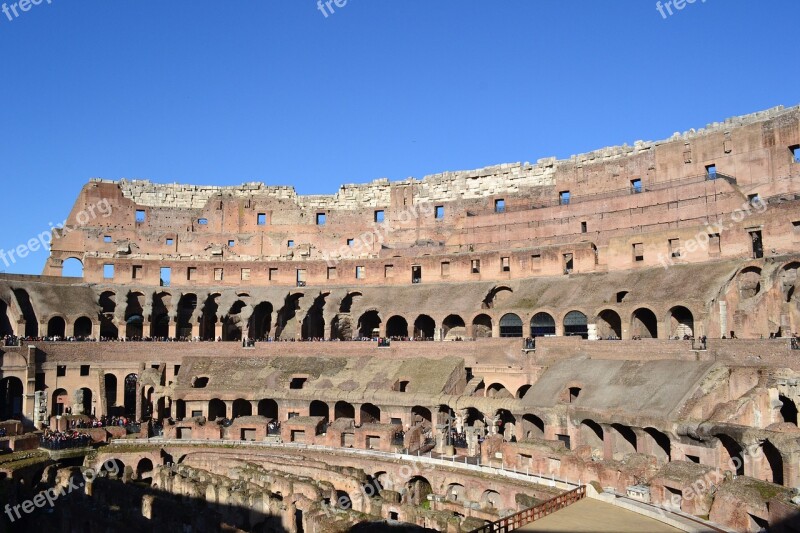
(522, 518)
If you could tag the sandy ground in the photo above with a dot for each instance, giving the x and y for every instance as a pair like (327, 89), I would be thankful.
(592, 516)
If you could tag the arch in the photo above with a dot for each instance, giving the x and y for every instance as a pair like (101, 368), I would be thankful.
(456, 492)
(609, 324)
(417, 490)
(114, 468)
(110, 386)
(532, 426)
(421, 415)
(209, 319)
(60, 402)
(108, 306)
(233, 322)
(131, 382)
(159, 323)
(83, 402)
(482, 326)
(144, 468)
(134, 315)
(268, 408)
(5, 321)
(72, 267)
(368, 323)
(10, 398)
(474, 418)
(522, 391)
(644, 324)
(217, 409)
(82, 328)
(346, 305)
(576, 325)
(424, 327)
(510, 325)
(397, 327)
(657, 443)
(496, 296)
(681, 322)
(287, 325)
(788, 410)
(774, 463)
(491, 498)
(314, 322)
(134, 327)
(319, 408)
(454, 327)
(749, 282)
(180, 409)
(497, 390)
(543, 325)
(733, 456)
(187, 307)
(241, 408)
(625, 441)
(343, 409)
(261, 321)
(591, 434)
(370, 414)
(25, 305)
(57, 327)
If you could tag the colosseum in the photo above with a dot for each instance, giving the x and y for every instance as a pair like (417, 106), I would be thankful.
(471, 351)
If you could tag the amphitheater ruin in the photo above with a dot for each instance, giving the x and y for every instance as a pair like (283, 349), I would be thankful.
(453, 353)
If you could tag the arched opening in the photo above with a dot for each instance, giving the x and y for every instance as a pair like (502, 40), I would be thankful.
(261, 321)
(369, 325)
(108, 306)
(543, 325)
(134, 315)
(208, 322)
(233, 322)
(609, 325)
(576, 325)
(624, 441)
(5, 321)
(482, 327)
(532, 426)
(417, 490)
(733, 456)
(491, 498)
(217, 409)
(287, 325)
(344, 410)
(60, 402)
(242, 408)
(497, 390)
(522, 391)
(370, 414)
(788, 410)
(314, 322)
(10, 398)
(114, 468)
(475, 418)
(424, 327)
(82, 328)
(346, 305)
(144, 469)
(421, 416)
(110, 386)
(496, 296)
(456, 492)
(592, 434)
(180, 409)
(510, 326)
(658, 444)
(268, 408)
(506, 425)
(84, 402)
(24, 303)
(453, 327)
(56, 327)
(72, 267)
(681, 323)
(130, 394)
(774, 462)
(644, 324)
(749, 282)
(319, 408)
(159, 325)
(187, 306)
(397, 327)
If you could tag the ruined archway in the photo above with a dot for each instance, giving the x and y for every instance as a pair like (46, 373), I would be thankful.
(187, 307)
(644, 324)
(453, 327)
(261, 321)
(681, 322)
(57, 327)
(369, 325)
(209, 318)
(217, 409)
(268, 408)
(591, 434)
(319, 408)
(657, 443)
(370, 414)
(241, 408)
(344, 409)
(24, 303)
(732, 456)
(424, 327)
(482, 327)
(159, 323)
(397, 327)
(314, 322)
(532, 426)
(82, 329)
(609, 324)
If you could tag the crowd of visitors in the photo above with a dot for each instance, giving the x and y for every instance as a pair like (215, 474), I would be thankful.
(63, 440)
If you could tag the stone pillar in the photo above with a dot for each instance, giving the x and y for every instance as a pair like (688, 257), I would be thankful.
(173, 329)
(382, 329)
(496, 329)
(254, 406)
(592, 332)
(218, 330)
(609, 434)
(469, 330)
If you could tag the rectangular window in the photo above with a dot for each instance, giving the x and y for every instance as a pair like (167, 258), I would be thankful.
(568, 264)
(711, 172)
(290, 244)
(191, 274)
(166, 276)
(84, 370)
(416, 274)
(245, 274)
(388, 271)
(107, 238)
(505, 264)
(261, 219)
(170, 242)
(360, 272)
(563, 198)
(536, 262)
(203, 221)
(754, 199)
(476, 266)
(796, 228)
(332, 273)
(321, 219)
(137, 272)
(445, 268)
(380, 216)
(584, 228)
(500, 206)
(439, 212)
(273, 274)
(638, 251)
(714, 245)
(758, 245)
(636, 186)
(795, 153)
(218, 274)
(350, 242)
(176, 370)
(141, 216)
(231, 244)
(108, 271)
(675, 247)
(301, 277)
(61, 371)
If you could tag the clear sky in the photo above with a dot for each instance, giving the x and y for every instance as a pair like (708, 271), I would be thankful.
(273, 90)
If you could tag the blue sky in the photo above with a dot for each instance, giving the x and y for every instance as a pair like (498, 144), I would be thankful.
(272, 90)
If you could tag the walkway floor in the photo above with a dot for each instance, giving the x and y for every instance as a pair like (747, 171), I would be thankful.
(590, 516)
